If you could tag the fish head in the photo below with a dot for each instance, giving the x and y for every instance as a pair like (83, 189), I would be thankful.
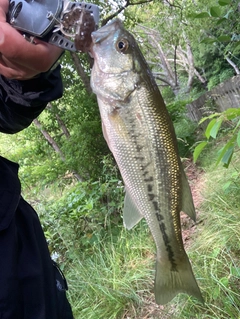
(113, 49)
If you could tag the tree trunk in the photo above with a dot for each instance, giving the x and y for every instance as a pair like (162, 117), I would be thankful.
(60, 121)
(233, 65)
(81, 72)
(50, 140)
(171, 76)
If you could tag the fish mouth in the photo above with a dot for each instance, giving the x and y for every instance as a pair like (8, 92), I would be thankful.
(102, 33)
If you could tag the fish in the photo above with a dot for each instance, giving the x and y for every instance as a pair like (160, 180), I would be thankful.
(140, 134)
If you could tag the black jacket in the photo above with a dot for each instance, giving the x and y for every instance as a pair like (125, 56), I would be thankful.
(27, 276)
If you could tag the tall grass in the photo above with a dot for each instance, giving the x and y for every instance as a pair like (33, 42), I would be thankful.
(110, 270)
(215, 251)
(112, 277)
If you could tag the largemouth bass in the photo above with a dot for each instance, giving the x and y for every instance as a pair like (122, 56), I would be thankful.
(140, 134)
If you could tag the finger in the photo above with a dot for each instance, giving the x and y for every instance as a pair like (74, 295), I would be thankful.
(14, 71)
(4, 5)
(14, 47)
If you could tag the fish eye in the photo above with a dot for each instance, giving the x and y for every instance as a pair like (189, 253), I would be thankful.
(122, 45)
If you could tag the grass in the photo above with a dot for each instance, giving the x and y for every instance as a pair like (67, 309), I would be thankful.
(110, 272)
(215, 250)
(116, 280)
(111, 278)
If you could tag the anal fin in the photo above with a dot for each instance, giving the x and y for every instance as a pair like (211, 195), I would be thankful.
(187, 200)
(131, 214)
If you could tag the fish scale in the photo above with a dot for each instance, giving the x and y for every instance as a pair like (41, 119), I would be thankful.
(140, 134)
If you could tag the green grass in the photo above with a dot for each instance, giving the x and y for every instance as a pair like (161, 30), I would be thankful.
(111, 277)
(110, 270)
(215, 250)
(119, 274)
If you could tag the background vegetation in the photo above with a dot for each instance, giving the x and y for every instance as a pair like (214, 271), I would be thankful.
(70, 177)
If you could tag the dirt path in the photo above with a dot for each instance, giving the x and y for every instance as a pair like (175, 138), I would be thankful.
(196, 181)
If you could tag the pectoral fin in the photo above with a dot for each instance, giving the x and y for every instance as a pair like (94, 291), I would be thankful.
(131, 214)
(187, 201)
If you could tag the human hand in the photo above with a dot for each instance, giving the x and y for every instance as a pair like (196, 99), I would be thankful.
(20, 59)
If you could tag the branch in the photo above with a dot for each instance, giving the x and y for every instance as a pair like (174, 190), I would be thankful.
(156, 76)
(233, 65)
(128, 3)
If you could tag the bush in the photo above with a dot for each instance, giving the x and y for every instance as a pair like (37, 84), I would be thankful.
(186, 137)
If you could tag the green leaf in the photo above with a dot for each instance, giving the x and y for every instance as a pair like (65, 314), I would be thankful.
(209, 117)
(198, 149)
(238, 139)
(227, 157)
(224, 2)
(221, 20)
(224, 281)
(235, 271)
(232, 113)
(226, 186)
(226, 152)
(215, 12)
(209, 128)
(208, 40)
(224, 38)
(236, 48)
(202, 15)
(215, 128)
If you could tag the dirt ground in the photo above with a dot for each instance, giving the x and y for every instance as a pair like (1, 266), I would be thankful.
(150, 310)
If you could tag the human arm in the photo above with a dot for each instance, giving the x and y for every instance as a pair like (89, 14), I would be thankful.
(26, 85)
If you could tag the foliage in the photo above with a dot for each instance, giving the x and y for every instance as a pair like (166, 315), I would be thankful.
(88, 211)
(110, 270)
(216, 247)
(185, 130)
(231, 117)
(219, 42)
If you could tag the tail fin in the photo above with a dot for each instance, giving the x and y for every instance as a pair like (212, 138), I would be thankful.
(169, 283)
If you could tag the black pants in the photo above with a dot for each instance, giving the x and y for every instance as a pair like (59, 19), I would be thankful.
(27, 276)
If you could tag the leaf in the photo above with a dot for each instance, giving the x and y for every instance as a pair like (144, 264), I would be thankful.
(224, 281)
(224, 38)
(228, 157)
(208, 40)
(221, 20)
(215, 128)
(224, 2)
(235, 271)
(209, 128)
(215, 12)
(209, 117)
(202, 15)
(226, 186)
(198, 149)
(238, 139)
(236, 48)
(232, 113)
(226, 150)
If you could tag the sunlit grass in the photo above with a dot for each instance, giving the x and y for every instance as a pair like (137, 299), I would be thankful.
(110, 274)
(112, 278)
(215, 250)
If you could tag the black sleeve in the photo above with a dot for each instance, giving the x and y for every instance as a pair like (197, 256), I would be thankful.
(22, 101)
